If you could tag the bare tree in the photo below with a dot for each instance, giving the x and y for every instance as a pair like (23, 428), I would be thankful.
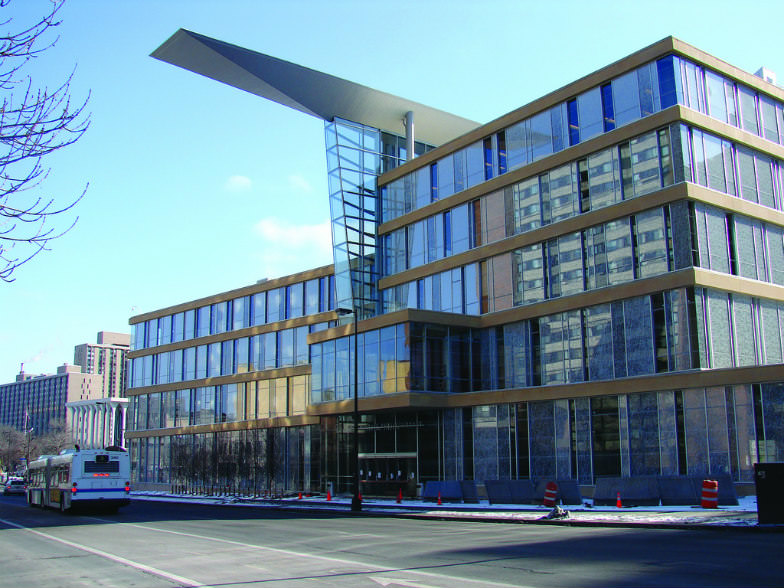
(34, 122)
(12, 447)
(52, 442)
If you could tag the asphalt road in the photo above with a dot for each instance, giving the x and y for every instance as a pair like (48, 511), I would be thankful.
(151, 544)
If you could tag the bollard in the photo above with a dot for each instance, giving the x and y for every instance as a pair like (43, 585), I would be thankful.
(710, 494)
(549, 494)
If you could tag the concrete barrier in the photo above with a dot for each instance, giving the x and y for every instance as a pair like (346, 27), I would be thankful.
(498, 491)
(569, 492)
(450, 491)
(639, 491)
(677, 491)
(470, 494)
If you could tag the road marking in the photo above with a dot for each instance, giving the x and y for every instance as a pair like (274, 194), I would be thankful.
(182, 581)
(350, 534)
(372, 568)
(384, 581)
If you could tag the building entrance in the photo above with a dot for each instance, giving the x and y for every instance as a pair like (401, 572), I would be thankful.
(388, 474)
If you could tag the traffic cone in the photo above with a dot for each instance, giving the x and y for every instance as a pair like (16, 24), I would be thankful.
(300, 496)
(329, 495)
(439, 499)
(399, 495)
(618, 501)
(360, 496)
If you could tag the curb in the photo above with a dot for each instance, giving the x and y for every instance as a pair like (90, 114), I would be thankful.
(410, 511)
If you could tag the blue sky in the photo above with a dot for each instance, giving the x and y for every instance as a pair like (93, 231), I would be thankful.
(196, 188)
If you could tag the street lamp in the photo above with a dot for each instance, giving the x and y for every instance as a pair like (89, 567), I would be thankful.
(356, 501)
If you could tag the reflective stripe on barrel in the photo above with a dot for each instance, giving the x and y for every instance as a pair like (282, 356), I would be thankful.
(549, 494)
(710, 494)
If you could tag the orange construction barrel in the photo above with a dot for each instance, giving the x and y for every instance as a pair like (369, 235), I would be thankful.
(550, 492)
(710, 494)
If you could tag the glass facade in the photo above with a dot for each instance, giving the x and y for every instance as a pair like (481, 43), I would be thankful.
(229, 403)
(696, 431)
(655, 86)
(625, 262)
(356, 155)
(261, 308)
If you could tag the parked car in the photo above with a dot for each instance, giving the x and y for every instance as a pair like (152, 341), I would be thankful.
(14, 487)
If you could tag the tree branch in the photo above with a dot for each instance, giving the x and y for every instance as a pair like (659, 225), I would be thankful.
(34, 122)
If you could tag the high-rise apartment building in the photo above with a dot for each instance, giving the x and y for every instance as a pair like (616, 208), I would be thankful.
(99, 371)
(38, 402)
(589, 286)
(107, 357)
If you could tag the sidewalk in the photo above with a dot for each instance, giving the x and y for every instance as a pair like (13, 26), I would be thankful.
(743, 516)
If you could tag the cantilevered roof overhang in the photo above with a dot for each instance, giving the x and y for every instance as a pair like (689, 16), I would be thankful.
(307, 90)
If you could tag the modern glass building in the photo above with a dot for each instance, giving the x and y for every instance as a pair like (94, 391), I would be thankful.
(589, 286)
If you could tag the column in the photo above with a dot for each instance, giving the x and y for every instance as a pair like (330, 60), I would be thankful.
(110, 418)
(80, 433)
(71, 420)
(104, 422)
(123, 414)
(91, 426)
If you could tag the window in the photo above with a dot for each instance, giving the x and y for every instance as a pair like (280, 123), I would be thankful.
(607, 108)
(275, 301)
(574, 123)
(178, 327)
(219, 317)
(433, 182)
(589, 105)
(227, 358)
(295, 300)
(165, 325)
(625, 99)
(460, 230)
(446, 176)
(312, 296)
(748, 110)
(540, 136)
(240, 313)
(259, 308)
(203, 321)
(605, 426)
(717, 98)
(190, 324)
(650, 244)
(213, 360)
(501, 141)
(669, 86)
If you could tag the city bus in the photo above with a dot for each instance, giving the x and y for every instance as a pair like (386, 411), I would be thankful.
(97, 478)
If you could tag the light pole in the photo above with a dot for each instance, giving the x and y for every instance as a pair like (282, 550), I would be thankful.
(356, 501)
(28, 430)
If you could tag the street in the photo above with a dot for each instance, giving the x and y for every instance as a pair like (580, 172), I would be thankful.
(150, 544)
